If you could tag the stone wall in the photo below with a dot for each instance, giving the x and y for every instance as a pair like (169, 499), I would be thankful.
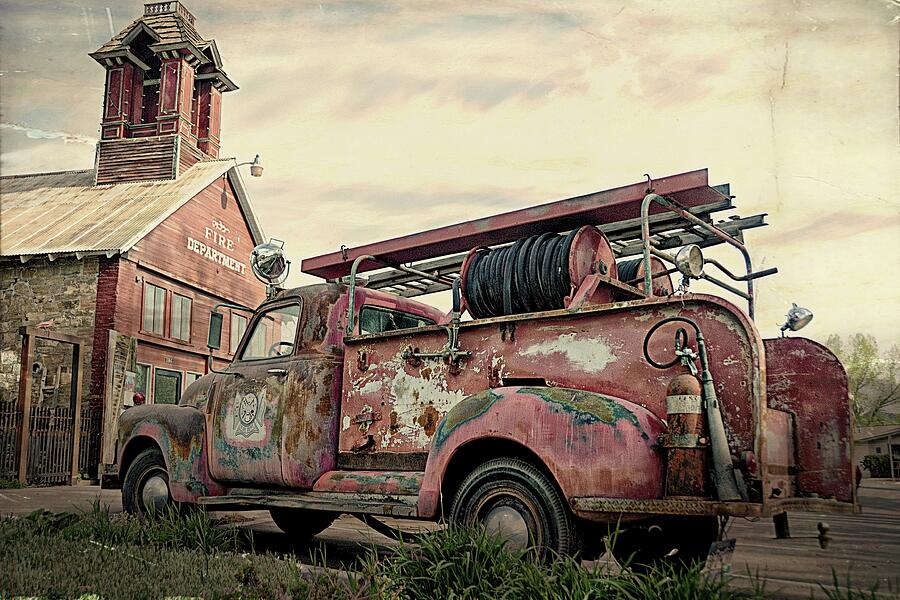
(64, 290)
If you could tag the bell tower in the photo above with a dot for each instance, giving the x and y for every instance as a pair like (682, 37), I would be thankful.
(163, 97)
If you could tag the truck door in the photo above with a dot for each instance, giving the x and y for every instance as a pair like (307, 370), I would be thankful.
(247, 413)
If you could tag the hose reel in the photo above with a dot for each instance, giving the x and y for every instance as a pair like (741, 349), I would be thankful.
(535, 273)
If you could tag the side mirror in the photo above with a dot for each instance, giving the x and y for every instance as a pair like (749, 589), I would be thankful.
(214, 339)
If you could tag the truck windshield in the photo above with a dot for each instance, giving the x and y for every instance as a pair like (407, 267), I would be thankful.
(273, 334)
(379, 320)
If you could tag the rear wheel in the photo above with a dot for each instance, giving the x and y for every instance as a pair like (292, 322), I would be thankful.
(302, 524)
(518, 503)
(145, 489)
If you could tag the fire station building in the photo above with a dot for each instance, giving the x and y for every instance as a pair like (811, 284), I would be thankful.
(147, 242)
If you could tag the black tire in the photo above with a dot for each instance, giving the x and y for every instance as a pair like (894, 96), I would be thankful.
(675, 541)
(149, 467)
(302, 525)
(519, 489)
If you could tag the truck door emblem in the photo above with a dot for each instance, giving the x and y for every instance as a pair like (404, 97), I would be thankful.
(247, 419)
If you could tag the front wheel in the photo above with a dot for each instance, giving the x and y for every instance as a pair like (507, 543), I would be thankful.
(517, 502)
(145, 489)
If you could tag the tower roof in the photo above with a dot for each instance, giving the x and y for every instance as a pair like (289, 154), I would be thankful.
(169, 26)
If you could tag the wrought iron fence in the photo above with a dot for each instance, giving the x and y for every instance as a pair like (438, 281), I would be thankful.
(9, 427)
(50, 443)
(89, 448)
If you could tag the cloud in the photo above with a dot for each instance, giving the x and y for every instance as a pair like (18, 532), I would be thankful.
(34, 133)
(378, 119)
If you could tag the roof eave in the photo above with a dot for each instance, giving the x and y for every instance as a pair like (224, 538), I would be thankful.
(222, 81)
(104, 57)
(243, 198)
(182, 45)
(52, 256)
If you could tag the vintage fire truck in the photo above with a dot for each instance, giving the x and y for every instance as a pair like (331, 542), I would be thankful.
(571, 389)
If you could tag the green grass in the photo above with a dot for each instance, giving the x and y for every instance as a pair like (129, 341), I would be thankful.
(11, 484)
(185, 554)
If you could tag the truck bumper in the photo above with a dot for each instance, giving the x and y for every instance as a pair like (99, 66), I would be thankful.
(607, 509)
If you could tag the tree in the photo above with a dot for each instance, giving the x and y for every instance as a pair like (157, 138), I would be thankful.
(874, 378)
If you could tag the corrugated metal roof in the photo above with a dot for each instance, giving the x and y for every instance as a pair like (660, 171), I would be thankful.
(63, 212)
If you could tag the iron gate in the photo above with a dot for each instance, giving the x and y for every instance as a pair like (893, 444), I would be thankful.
(50, 444)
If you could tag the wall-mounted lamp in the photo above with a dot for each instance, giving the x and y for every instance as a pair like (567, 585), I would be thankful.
(256, 168)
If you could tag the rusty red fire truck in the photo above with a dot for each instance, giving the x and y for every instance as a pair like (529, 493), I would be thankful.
(570, 389)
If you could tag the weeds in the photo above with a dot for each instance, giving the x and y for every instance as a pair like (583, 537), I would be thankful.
(186, 554)
(11, 484)
(846, 592)
(188, 529)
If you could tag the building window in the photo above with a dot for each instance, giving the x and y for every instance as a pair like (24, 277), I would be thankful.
(877, 449)
(238, 327)
(190, 378)
(273, 333)
(166, 386)
(154, 309)
(142, 380)
(181, 317)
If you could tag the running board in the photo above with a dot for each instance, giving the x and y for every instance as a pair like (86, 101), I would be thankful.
(368, 504)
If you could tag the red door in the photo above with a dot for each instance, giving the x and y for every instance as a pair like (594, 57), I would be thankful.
(246, 433)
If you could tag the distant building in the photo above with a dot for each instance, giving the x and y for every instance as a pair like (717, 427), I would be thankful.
(882, 440)
(148, 241)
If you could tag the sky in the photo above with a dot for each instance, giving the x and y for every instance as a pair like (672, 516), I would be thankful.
(383, 118)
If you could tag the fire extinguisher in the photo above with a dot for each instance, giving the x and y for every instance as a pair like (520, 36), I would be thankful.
(695, 445)
(687, 441)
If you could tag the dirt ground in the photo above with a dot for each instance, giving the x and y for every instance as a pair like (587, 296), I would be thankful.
(866, 546)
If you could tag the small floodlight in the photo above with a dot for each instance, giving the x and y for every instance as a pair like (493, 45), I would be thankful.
(689, 261)
(797, 318)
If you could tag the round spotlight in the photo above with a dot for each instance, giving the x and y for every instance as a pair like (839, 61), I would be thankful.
(689, 261)
(268, 262)
(797, 318)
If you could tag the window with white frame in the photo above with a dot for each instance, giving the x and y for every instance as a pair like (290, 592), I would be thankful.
(154, 309)
(238, 327)
(181, 317)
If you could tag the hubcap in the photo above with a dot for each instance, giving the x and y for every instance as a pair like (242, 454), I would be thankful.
(155, 493)
(507, 524)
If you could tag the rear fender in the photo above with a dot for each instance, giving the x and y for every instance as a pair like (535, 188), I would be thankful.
(807, 381)
(592, 444)
(180, 432)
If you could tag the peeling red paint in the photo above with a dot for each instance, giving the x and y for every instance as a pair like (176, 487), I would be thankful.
(807, 381)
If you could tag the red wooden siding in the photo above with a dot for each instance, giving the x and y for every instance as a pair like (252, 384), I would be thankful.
(214, 219)
(135, 159)
(163, 258)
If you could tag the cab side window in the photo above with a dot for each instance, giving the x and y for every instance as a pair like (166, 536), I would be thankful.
(273, 333)
(378, 320)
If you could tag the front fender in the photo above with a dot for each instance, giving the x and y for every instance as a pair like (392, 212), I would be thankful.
(180, 432)
(592, 444)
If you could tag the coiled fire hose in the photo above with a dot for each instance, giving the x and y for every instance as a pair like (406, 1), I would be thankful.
(528, 276)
